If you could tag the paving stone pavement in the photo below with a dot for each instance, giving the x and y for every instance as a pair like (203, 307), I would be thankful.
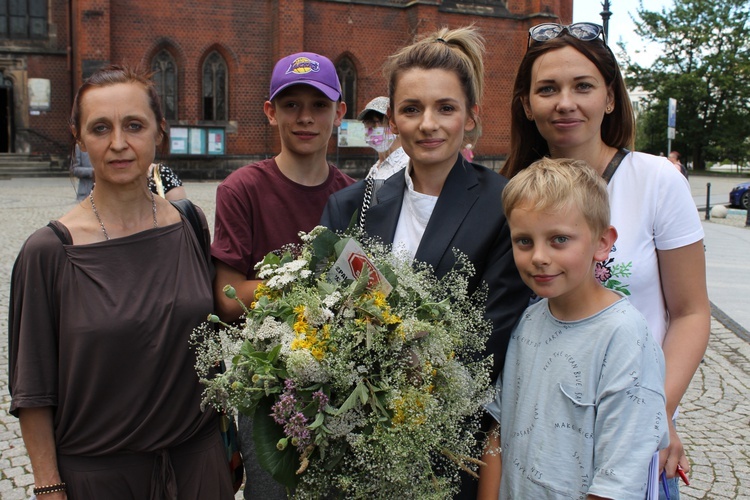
(714, 420)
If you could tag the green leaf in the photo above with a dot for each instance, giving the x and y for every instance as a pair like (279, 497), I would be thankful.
(323, 248)
(319, 419)
(286, 258)
(325, 288)
(351, 401)
(273, 355)
(389, 275)
(282, 465)
(363, 394)
(361, 283)
(270, 258)
(340, 245)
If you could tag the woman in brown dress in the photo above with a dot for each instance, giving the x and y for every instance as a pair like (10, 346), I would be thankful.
(103, 302)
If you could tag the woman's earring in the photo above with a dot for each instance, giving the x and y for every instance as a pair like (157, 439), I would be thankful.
(609, 109)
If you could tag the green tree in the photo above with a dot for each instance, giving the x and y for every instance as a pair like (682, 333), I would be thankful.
(704, 63)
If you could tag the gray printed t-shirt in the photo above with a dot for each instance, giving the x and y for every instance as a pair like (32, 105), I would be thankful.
(581, 405)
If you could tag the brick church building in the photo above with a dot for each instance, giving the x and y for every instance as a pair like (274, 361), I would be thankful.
(212, 63)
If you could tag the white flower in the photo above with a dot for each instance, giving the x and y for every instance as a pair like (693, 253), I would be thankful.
(270, 329)
(303, 367)
(332, 299)
(278, 277)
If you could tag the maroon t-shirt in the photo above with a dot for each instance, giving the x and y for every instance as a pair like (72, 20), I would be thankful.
(259, 209)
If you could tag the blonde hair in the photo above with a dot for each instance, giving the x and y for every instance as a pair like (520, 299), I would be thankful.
(554, 184)
(460, 51)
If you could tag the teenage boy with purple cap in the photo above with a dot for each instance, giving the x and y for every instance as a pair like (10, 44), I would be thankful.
(263, 206)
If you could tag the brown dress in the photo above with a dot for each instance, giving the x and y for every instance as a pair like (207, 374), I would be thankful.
(100, 332)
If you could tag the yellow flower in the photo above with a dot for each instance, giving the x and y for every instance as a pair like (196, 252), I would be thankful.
(379, 299)
(307, 338)
(390, 319)
(261, 290)
(401, 332)
(326, 332)
(410, 408)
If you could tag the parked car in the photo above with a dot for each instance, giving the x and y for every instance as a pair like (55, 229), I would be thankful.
(740, 196)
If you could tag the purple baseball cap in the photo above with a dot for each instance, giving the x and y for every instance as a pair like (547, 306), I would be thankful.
(308, 69)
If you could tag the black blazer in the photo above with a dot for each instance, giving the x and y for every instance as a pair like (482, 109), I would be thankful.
(468, 216)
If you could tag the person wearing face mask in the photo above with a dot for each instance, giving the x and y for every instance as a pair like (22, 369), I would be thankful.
(378, 135)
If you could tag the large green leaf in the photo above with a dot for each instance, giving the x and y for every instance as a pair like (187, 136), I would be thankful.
(323, 248)
(359, 392)
(282, 465)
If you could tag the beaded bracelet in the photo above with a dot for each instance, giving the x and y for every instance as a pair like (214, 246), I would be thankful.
(51, 488)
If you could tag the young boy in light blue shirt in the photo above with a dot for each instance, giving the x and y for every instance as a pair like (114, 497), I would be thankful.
(580, 402)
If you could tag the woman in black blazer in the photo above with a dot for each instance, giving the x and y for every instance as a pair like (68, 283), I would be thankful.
(441, 201)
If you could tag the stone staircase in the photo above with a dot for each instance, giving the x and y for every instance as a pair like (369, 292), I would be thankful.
(26, 165)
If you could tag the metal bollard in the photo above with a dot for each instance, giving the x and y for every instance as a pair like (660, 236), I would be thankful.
(708, 201)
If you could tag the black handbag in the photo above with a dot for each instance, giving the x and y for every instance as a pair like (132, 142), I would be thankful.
(227, 422)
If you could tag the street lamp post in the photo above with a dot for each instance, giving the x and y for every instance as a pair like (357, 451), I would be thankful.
(606, 14)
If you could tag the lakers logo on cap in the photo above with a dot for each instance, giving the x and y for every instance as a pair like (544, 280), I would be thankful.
(303, 65)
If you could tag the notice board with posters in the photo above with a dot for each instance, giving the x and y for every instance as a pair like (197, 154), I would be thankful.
(194, 140)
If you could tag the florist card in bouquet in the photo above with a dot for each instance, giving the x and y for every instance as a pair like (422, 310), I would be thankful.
(352, 262)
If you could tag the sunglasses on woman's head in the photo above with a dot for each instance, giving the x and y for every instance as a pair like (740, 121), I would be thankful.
(582, 31)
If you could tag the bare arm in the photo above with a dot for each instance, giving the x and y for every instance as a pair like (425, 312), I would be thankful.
(490, 474)
(176, 193)
(39, 438)
(229, 309)
(683, 278)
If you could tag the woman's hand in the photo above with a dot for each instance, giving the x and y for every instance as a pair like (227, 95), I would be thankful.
(673, 455)
(491, 473)
(39, 437)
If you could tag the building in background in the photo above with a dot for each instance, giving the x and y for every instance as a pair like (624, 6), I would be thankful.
(212, 63)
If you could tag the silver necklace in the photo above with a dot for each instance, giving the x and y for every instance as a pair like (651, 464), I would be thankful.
(96, 212)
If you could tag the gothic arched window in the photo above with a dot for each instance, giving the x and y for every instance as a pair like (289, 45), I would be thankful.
(215, 107)
(165, 78)
(348, 77)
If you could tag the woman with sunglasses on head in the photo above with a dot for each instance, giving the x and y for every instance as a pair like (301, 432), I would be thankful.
(570, 101)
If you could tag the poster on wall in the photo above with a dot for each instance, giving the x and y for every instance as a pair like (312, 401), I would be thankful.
(39, 94)
(179, 140)
(197, 141)
(351, 134)
(216, 141)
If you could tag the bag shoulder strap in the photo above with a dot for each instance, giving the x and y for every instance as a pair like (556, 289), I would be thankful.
(59, 233)
(614, 163)
(370, 199)
(188, 210)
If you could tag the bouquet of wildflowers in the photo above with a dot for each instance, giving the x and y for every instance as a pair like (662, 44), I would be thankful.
(363, 371)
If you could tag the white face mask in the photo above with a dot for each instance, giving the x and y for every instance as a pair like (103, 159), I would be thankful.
(379, 139)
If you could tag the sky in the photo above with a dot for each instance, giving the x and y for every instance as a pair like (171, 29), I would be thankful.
(621, 27)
